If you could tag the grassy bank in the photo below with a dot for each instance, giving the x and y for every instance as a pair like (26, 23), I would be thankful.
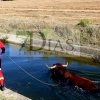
(83, 34)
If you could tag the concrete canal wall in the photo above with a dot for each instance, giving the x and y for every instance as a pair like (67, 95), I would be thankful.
(45, 44)
(76, 50)
(8, 94)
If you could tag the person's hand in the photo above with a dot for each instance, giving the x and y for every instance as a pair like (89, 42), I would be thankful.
(2, 52)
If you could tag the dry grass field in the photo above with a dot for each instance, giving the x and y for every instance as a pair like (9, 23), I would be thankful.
(69, 11)
(59, 18)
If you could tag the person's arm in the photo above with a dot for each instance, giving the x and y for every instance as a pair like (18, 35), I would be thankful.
(3, 50)
(2, 47)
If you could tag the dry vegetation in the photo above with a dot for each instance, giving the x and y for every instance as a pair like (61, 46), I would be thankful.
(59, 18)
(69, 11)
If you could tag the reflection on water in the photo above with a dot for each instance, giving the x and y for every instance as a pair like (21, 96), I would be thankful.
(34, 63)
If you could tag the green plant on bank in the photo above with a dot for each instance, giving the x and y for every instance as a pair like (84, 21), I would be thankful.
(84, 22)
(45, 32)
(23, 33)
(25, 41)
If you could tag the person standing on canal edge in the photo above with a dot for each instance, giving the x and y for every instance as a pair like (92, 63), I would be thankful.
(1, 75)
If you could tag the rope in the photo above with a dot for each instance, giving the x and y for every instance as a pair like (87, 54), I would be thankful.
(30, 74)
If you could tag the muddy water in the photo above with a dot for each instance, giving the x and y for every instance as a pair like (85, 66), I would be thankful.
(34, 63)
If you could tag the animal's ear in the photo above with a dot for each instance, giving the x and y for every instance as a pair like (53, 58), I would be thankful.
(65, 65)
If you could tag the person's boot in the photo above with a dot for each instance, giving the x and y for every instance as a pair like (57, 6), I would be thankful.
(2, 88)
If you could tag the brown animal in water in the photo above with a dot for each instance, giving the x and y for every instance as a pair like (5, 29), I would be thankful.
(60, 72)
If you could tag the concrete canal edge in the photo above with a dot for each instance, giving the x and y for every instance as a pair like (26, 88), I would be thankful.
(8, 94)
(77, 50)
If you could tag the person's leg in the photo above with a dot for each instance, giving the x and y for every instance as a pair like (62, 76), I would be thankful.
(0, 63)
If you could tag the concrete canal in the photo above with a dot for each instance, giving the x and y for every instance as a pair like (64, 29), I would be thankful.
(33, 62)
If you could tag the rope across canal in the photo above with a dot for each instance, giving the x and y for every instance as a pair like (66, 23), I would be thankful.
(29, 73)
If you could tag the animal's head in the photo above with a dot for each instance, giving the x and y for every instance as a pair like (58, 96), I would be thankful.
(57, 65)
(57, 70)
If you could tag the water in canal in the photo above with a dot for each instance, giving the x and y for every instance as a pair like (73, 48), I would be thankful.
(34, 63)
